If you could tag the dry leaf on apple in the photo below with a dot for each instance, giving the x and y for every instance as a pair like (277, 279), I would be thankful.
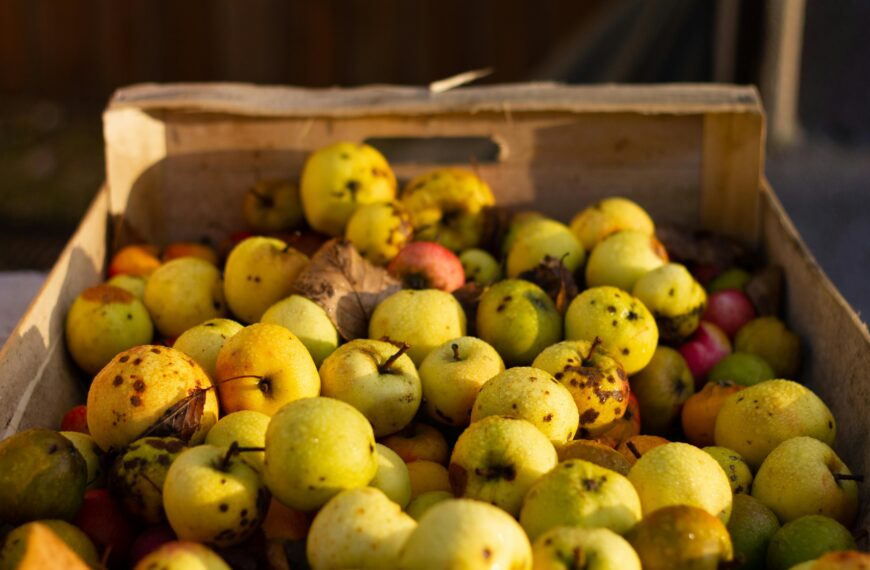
(347, 286)
(553, 277)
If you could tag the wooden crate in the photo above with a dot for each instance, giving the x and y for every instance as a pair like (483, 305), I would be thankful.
(179, 158)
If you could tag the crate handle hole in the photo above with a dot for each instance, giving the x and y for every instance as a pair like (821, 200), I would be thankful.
(438, 150)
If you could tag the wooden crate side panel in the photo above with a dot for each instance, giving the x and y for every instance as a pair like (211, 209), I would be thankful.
(733, 156)
(835, 343)
(554, 162)
(38, 381)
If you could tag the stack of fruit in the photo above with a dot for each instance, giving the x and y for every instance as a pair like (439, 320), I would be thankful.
(418, 381)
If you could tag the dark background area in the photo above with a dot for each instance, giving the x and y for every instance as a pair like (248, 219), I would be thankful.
(61, 60)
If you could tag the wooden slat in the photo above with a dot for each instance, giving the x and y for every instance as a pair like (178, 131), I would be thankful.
(260, 101)
(732, 160)
(835, 343)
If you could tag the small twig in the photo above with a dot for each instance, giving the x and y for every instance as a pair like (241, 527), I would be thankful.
(402, 349)
(455, 348)
(848, 477)
(633, 449)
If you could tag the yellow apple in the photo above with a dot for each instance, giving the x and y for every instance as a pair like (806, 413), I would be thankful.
(262, 367)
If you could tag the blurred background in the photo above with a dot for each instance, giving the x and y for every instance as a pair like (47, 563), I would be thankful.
(60, 62)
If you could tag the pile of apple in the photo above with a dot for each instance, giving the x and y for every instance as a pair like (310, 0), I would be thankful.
(376, 379)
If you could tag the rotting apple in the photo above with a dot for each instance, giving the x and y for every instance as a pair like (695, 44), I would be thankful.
(447, 205)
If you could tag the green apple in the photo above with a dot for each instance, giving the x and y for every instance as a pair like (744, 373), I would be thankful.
(609, 216)
(262, 367)
(734, 278)
(211, 495)
(662, 387)
(580, 493)
(272, 206)
(741, 368)
(203, 342)
(42, 476)
(16, 543)
(247, 428)
(138, 387)
(183, 293)
(424, 319)
(137, 475)
(93, 456)
(339, 178)
(751, 527)
(452, 375)
(134, 284)
(498, 459)
(596, 380)
(103, 321)
(622, 322)
(517, 221)
(542, 238)
(308, 321)
(755, 420)
(358, 528)
(480, 266)
(182, 555)
(379, 231)
(447, 206)
(260, 272)
(519, 320)
(316, 448)
(674, 298)
(804, 476)
(533, 395)
(807, 538)
(378, 379)
(463, 533)
(681, 474)
(738, 472)
(392, 477)
(425, 501)
(622, 258)
(681, 537)
(567, 547)
(769, 338)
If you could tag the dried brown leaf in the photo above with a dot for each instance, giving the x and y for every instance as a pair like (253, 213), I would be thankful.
(553, 277)
(346, 285)
(469, 297)
(703, 248)
(496, 222)
(182, 419)
(765, 290)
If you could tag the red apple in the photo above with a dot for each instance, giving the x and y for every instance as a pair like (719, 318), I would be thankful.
(704, 349)
(148, 541)
(428, 265)
(76, 420)
(106, 524)
(729, 310)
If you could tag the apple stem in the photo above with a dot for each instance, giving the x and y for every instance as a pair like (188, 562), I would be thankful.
(848, 477)
(225, 462)
(595, 344)
(402, 349)
(632, 448)
(262, 198)
(455, 348)
(242, 377)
